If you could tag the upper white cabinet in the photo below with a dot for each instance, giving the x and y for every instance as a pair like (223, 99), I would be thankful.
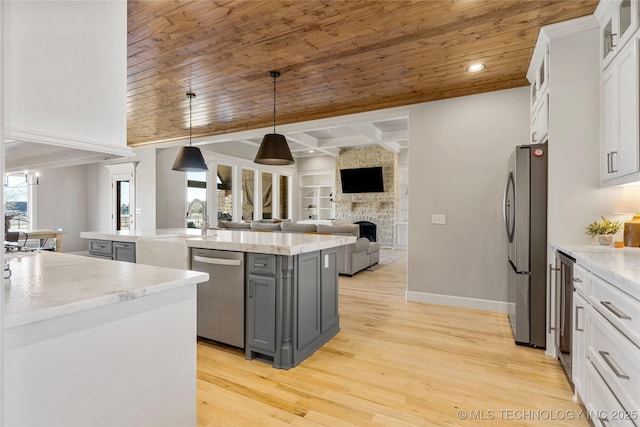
(619, 92)
(538, 76)
(618, 22)
(619, 116)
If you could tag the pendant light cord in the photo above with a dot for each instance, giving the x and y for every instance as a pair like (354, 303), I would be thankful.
(274, 102)
(190, 98)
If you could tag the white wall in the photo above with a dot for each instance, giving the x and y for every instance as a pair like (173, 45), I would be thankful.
(315, 164)
(457, 167)
(145, 188)
(575, 196)
(171, 189)
(62, 201)
(65, 72)
(98, 194)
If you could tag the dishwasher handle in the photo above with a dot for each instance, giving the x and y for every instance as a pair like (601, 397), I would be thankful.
(217, 261)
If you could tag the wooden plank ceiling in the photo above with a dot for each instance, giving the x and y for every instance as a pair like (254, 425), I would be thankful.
(336, 57)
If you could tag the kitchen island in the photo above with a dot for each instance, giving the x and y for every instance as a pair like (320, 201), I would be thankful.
(290, 288)
(89, 342)
(598, 297)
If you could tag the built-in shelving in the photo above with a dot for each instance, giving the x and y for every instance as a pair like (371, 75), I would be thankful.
(317, 192)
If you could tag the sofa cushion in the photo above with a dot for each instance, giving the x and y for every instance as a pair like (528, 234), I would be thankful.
(362, 244)
(346, 229)
(234, 225)
(255, 225)
(297, 228)
(373, 247)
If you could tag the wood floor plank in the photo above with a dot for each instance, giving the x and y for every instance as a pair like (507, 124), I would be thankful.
(393, 363)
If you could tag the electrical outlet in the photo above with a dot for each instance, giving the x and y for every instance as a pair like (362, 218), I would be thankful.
(440, 219)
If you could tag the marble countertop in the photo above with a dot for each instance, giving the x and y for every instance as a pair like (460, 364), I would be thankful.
(276, 243)
(45, 285)
(268, 243)
(620, 266)
(133, 236)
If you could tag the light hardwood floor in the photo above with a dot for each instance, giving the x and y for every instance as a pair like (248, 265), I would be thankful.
(394, 363)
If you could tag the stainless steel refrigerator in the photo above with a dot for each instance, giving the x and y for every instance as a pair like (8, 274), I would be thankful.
(525, 215)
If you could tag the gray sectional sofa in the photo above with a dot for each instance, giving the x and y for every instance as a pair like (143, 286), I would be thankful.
(352, 258)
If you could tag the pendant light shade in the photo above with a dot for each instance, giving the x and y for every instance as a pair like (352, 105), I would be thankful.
(274, 149)
(190, 158)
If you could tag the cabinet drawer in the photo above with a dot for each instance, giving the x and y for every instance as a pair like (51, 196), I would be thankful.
(100, 247)
(618, 307)
(261, 264)
(616, 359)
(580, 279)
(604, 409)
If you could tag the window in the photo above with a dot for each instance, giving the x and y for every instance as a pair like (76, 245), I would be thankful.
(123, 200)
(196, 198)
(18, 201)
(284, 197)
(267, 194)
(225, 193)
(247, 194)
(123, 197)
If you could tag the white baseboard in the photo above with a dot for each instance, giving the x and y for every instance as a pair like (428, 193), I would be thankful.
(461, 302)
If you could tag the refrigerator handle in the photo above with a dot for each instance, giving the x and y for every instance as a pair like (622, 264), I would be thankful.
(506, 208)
(561, 307)
(552, 286)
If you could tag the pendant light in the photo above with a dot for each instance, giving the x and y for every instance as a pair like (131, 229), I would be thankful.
(274, 149)
(190, 158)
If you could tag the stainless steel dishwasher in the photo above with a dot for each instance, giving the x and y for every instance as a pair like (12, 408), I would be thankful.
(221, 299)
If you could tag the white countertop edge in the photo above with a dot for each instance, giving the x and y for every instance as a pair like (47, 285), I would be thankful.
(21, 319)
(269, 248)
(608, 263)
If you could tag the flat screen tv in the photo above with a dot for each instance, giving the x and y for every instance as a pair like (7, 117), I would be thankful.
(362, 180)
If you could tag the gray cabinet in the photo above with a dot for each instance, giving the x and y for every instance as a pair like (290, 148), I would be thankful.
(292, 305)
(101, 248)
(329, 288)
(261, 306)
(123, 251)
(307, 301)
(107, 249)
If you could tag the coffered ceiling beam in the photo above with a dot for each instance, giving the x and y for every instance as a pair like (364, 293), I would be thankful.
(376, 135)
(309, 142)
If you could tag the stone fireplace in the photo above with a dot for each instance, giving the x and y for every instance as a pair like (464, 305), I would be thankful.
(377, 208)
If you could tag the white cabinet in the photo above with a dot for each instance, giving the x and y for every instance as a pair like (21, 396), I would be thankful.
(606, 352)
(538, 76)
(540, 120)
(579, 321)
(618, 22)
(317, 193)
(619, 91)
(619, 117)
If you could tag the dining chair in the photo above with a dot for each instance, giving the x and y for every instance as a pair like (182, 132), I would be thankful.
(15, 240)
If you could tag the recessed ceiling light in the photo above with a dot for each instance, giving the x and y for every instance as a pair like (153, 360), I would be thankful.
(474, 68)
(311, 151)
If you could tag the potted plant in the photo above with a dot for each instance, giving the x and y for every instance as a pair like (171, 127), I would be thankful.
(604, 230)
